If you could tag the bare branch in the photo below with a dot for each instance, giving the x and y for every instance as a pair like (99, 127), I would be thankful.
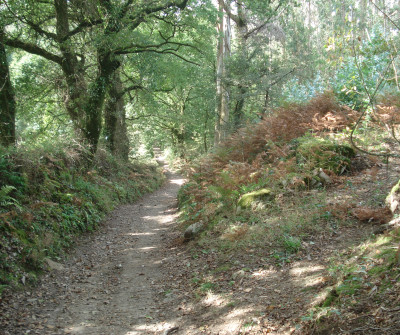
(387, 16)
(262, 25)
(370, 102)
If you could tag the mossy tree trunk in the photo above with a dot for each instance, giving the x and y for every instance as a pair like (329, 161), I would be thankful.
(242, 29)
(7, 100)
(98, 23)
(115, 128)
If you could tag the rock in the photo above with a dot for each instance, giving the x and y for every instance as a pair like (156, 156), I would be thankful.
(248, 199)
(393, 199)
(53, 265)
(238, 274)
(193, 230)
(322, 176)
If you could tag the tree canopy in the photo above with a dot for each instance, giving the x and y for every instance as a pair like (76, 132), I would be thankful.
(179, 73)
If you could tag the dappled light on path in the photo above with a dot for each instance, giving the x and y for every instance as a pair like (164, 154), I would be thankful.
(119, 287)
(140, 234)
(137, 278)
(179, 182)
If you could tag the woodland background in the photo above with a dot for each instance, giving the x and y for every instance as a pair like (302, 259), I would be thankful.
(281, 113)
(131, 75)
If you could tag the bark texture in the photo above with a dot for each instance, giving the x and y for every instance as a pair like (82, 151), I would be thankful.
(115, 120)
(222, 95)
(7, 100)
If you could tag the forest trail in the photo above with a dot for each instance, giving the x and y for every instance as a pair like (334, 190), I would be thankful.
(111, 284)
(134, 277)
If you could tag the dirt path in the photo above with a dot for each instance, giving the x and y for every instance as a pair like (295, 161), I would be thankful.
(133, 277)
(112, 283)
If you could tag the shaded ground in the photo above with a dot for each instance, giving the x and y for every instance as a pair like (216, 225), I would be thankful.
(111, 284)
(135, 277)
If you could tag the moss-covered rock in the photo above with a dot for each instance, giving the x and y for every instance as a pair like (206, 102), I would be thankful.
(393, 199)
(248, 199)
(315, 153)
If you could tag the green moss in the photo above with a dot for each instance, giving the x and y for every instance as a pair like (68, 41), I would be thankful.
(330, 299)
(320, 153)
(393, 198)
(248, 199)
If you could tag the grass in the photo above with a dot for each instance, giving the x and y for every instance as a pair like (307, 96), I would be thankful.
(367, 276)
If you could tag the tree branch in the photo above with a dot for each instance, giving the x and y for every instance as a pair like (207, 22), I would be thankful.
(81, 27)
(228, 11)
(262, 25)
(386, 15)
(33, 49)
(31, 24)
(166, 51)
(139, 17)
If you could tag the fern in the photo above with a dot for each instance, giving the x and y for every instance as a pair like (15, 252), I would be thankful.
(6, 200)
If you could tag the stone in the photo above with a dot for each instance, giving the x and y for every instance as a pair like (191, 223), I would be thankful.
(53, 265)
(322, 176)
(238, 274)
(193, 230)
(248, 199)
(393, 199)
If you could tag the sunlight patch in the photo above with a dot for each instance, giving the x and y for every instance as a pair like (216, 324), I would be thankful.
(263, 273)
(139, 234)
(159, 218)
(146, 248)
(213, 299)
(177, 181)
(301, 270)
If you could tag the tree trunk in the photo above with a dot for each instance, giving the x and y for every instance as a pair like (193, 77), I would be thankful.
(7, 100)
(241, 22)
(242, 28)
(83, 104)
(115, 123)
(222, 108)
(75, 94)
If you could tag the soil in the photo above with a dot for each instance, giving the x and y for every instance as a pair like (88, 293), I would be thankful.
(135, 276)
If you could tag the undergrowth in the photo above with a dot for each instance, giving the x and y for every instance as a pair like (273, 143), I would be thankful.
(299, 154)
(366, 284)
(48, 196)
(289, 151)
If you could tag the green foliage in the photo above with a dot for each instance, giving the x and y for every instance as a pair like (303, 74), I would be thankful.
(291, 244)
(61, 200)
(10, 173)
(315, 152)
(5, 199)
(371, 59)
